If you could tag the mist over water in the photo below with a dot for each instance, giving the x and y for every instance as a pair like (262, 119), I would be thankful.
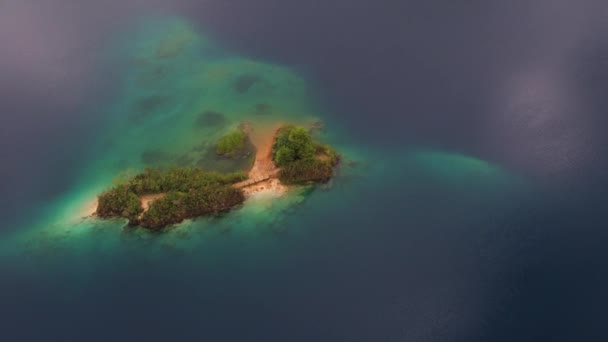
(470, 206)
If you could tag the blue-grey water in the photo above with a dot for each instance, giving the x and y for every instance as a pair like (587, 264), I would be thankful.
(469, 206)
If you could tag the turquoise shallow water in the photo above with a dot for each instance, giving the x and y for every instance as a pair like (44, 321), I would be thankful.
(178, 92)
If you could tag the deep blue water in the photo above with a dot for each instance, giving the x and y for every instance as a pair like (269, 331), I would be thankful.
(497, 234)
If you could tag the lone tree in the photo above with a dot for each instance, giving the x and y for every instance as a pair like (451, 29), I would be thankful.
(293, 144)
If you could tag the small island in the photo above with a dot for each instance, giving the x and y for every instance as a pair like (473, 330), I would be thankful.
(157, 198)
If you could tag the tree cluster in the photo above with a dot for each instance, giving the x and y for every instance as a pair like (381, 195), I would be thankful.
(291, 144)
(177, 206)
(153, 181)
(306, 171)
(119, 202)
(190, 192)
(302, 160)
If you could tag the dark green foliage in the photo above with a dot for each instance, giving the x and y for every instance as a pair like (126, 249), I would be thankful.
(292, 143)
(301, 159)
(153, 181)
(306, 171)
(213, 199)
(119, 202)
(231, 144)
(284, 155)
(177, 206)
(190, 192)
(167, 210)
(302, 144)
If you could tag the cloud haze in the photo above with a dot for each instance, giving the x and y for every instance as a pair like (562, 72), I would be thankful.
(495, 79)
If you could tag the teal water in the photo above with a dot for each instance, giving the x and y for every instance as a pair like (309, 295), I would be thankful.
(179, 91)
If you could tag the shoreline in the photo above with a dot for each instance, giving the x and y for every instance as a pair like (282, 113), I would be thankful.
(88, 209)
(268, 187)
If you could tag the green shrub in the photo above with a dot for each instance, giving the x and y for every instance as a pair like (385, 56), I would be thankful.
(177, 206)
(306, 171)
(190, 192)
(284, 155)
(282, 137)
(179, 179)
(292, 143)
(167, 210)
(302, 143)
(213, 200)
(302, 160)
(231, 144)
(119, 202)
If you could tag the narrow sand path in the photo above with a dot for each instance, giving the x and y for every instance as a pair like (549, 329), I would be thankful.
(263, 168)
(263, 139)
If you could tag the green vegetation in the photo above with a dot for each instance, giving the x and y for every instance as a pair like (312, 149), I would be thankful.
(119, 202)
(153, 181)
(306, 171)
(292, 143)
(231, 144)
(302, 160)
(190, 192)
(177, 206)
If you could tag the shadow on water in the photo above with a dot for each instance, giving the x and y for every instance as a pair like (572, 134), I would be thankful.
(244, 82)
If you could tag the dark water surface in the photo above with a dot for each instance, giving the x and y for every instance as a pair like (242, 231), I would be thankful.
(472, 207)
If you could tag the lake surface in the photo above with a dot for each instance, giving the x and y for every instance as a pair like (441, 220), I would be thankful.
(469, 205)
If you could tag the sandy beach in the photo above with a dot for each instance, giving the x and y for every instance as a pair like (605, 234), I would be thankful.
(88, 209)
